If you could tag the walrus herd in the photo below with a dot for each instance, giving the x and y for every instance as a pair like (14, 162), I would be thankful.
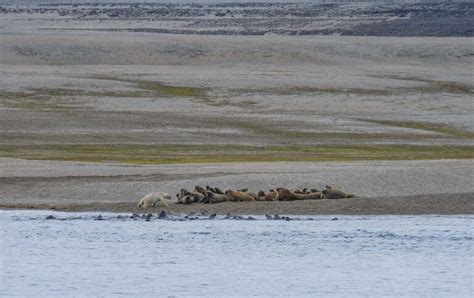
(213, 195)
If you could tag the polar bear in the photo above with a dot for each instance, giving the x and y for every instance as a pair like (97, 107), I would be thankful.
(154, 199)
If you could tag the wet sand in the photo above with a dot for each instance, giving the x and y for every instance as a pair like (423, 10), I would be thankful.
(421, 204)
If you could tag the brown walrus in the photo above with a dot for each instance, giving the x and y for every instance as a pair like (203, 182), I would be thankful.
(252, 194)
(214, 198)
(285, 194)
(333, 194)
(269, 196)
(239, 196)
(199, 189)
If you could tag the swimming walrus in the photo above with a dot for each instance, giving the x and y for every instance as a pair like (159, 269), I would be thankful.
(239, 196)
(332, 194)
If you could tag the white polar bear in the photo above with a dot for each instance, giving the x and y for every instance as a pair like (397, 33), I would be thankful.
(154, 199)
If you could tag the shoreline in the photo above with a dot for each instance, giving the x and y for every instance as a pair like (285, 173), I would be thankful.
(442, 204)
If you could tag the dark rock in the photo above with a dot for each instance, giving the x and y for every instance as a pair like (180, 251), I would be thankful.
(99, 217)
(212, 216)
(335, 218)
(50, 217)
(269, 217)
(277, 217)
(251, 218)
(162, 215)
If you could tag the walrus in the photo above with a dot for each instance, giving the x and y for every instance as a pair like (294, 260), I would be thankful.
(252, 194)
(210, 189)
(187, 200)
(246, 190)
(260, 195)
(219, 191)
(190, 199)
(269, 196)
(333, 194)
(154, 199)
(214, 198)
(311, 196)
(239, 196)
(199, 189)
(197, 196)
(287, 195)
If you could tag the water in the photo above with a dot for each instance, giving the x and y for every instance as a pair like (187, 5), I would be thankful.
(353, 256)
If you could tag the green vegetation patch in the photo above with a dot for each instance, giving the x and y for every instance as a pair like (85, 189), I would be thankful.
(434, 86)
(316, 90)
(49, 98)
(167, 154)
(168, 90)
(160, 89)
(428, 126)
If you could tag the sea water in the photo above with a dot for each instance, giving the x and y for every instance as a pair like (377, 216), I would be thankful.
(76, 255)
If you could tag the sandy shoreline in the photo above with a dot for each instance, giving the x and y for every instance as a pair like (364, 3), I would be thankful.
(383, 187)
(462, 203)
